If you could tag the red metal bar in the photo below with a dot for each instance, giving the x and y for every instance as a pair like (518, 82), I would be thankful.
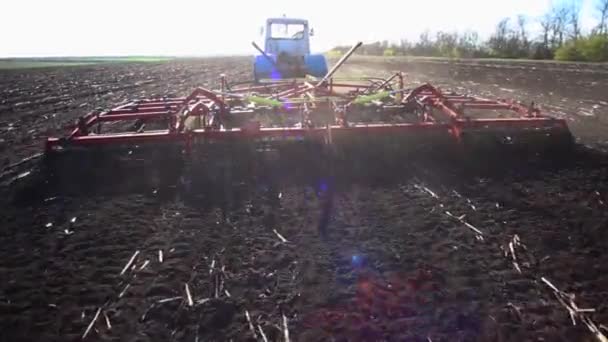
(144, 103)
(387, 81)
(532, 122)
(270, 86)
(490, 106)
(155, 109)
(438, 103)
(88, 120)
(346, 85)
(165, 135)
(469, 100)
(134, 116)
(155, 102)
(206, 93)
(296, 90)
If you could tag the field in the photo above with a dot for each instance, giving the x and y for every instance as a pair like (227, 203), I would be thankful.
(49, 62)
(393, 265)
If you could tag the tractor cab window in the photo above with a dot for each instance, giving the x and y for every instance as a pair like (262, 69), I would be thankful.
(286, 31)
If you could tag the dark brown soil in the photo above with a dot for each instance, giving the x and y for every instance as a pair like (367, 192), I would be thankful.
(364, 261)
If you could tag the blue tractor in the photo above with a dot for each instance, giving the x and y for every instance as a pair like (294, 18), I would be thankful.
(286, 51)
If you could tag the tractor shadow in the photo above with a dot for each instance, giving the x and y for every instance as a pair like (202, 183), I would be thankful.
(231, 176)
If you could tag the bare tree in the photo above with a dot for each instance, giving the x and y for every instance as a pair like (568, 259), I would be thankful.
(523, 34)
(559, 19)
(405, 46)
(424, 46)
(575, 24)
(502, 28)
(500, 37)
(545, 23)
(501, 42)
(602, 8)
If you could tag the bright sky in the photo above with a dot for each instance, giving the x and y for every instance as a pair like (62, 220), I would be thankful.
(207, 27)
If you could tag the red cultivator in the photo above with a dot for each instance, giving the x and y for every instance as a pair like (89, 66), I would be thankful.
(328, 111)
(340, 118)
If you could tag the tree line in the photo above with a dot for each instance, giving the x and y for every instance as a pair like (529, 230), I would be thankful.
(560, 38)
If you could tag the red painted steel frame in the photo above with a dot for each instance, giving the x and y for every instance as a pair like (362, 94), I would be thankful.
(217, 104)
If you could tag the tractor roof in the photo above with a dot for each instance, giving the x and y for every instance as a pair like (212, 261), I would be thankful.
(287, 21)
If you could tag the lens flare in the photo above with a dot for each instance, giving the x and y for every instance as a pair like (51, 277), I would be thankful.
(275, 75)
(356, 260)
(323, 187)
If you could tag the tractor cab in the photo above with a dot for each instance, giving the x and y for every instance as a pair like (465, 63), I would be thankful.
(287, 51)
(287, 36)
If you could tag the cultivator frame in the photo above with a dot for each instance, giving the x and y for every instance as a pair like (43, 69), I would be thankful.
(213, 109)
(226, 114)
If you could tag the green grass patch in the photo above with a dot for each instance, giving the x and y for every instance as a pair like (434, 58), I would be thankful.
(30, 63)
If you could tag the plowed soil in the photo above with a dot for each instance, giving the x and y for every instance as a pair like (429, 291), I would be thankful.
(434, 254)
